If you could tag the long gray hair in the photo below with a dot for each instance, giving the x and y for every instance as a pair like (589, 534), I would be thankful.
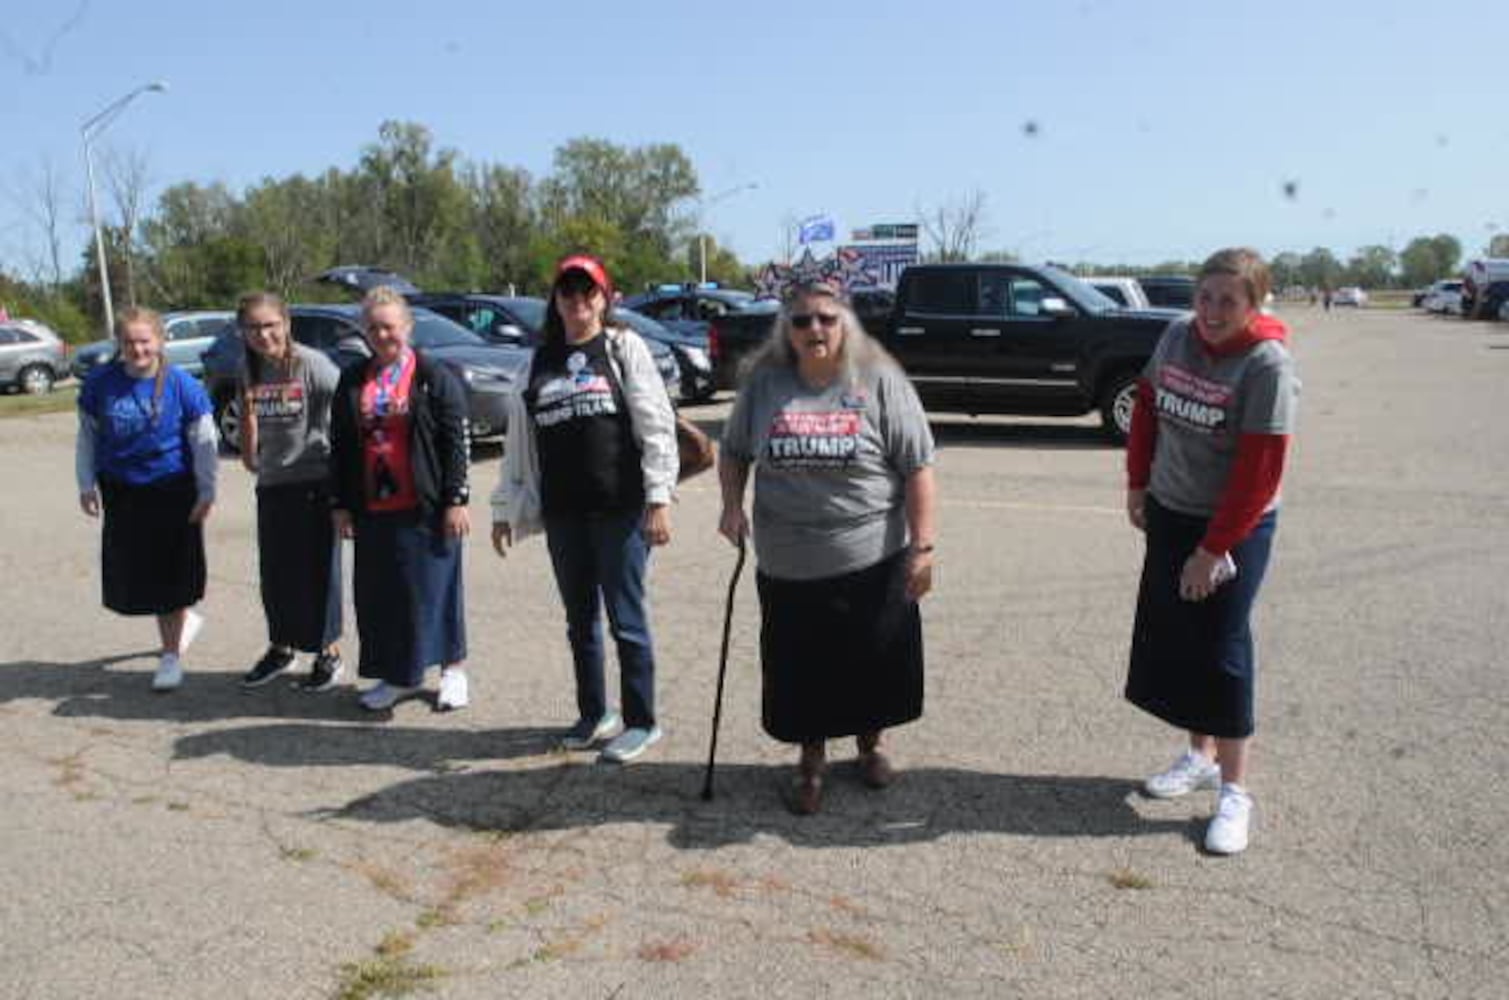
(858, 353)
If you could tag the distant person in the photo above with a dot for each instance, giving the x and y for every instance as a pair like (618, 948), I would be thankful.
(1210, 430)
(399, 458)
(285, 443)
(843, 533)
(592, 460)
(146, 458)
(1326, 298)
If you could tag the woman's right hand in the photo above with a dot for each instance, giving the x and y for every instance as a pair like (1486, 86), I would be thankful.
(344, 527)
(89, 503)
(502, 538)
(1137, 509)
(733, 525)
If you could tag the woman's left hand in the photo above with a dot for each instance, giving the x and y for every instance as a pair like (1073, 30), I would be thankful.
(657, 524)
(458, 522)
(1200, 576)
(201, 511)
(919, 574)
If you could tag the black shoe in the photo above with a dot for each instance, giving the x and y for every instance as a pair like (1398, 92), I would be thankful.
(273, 663)
(324, 674)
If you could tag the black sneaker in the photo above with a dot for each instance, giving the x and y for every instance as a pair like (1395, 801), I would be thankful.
(273, 663)
(324, 674)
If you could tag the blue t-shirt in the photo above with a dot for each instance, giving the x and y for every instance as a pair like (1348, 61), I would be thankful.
(130, 446)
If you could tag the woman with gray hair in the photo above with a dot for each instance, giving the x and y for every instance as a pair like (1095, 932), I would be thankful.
(843, 533)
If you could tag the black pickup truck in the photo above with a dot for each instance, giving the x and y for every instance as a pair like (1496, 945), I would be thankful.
(999, 338)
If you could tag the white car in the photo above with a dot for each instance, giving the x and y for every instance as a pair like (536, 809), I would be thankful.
(1350, 295)
(1444, 297)
(1125, 292)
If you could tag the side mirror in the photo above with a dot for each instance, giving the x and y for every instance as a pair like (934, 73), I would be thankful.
(1055, 307)
(507, 333)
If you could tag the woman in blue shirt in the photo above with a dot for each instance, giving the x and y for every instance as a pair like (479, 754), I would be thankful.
(146, 459)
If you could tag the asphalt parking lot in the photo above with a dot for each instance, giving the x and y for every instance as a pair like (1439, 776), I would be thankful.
(272, 844)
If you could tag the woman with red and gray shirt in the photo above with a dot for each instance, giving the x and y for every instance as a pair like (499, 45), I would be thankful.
(1215, 410)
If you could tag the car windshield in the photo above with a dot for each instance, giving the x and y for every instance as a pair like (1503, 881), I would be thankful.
(530, 312)
(641, 323)
(1086, 297)
(433, 330)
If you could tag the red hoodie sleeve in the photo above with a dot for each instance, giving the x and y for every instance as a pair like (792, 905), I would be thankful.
(1142, 438)
(1255, 475)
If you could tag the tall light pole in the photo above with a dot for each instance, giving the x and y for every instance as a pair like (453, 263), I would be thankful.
(89, 130)
(705, 203)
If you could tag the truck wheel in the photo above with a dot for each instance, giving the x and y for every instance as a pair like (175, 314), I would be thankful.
(1116, 405)
(228, 421)
(35, 379)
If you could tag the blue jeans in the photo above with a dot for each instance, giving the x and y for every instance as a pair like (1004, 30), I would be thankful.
(599, 560)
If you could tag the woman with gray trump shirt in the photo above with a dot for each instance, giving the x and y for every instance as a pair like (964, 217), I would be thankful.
(843, 533)
(285, 441)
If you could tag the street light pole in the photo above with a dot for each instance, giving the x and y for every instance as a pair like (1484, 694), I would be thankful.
(89, 131)
(707, 202)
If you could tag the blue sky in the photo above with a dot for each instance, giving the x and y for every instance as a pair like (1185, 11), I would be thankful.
(1163, 129)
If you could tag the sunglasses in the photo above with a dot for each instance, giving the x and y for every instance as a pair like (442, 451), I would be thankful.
(574, 285)
(805, 321)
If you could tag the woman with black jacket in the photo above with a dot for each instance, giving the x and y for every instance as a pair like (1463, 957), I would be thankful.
(398, 439)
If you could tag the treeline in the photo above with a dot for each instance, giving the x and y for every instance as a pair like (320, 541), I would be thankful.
(441, 220)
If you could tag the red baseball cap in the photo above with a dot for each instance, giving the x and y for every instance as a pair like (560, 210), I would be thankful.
(591, 267)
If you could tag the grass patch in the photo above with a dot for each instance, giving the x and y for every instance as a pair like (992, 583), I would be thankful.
(720, 882)
(395, 944)
(178, 807)
(22, 405)
(1125, 878)
(298, 853)
(385, 977)
(443, 915)
(850, 944)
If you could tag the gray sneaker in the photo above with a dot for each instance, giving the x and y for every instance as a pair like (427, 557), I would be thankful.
(587, 732)
(630, 744)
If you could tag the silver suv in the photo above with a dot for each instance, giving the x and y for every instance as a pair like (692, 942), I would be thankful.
(31, 357)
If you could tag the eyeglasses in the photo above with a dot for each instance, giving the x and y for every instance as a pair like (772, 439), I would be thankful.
(265, 327)
(804, 321)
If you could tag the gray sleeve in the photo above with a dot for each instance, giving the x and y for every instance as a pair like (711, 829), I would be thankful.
(1270, 394)
(205, 446)
(83, 454)
(738, 437)
(903, 423)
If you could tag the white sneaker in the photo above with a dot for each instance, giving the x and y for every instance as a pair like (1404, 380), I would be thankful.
(630, 744)
(454, 691)
(193, 621)
(1227, 833)
(169, 673)
(585, 733)
(384, 696)
(1190, 772)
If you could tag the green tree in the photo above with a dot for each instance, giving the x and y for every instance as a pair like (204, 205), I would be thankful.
(1287, 269)
(1430, 258)
(1320, 269)
(1499, 246)
(1372, 267)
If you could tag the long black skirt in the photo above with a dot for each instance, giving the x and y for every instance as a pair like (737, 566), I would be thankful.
(841, 655)
(151, 557)
(300, 562)
(410, 612)
(1192, 662)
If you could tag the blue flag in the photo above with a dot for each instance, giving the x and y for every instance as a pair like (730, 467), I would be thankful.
(817, 229)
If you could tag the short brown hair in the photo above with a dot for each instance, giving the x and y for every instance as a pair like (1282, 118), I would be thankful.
(1244, 263)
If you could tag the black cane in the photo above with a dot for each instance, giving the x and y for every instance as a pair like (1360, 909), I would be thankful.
(728, 621)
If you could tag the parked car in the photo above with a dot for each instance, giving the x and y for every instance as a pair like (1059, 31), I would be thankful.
(1001, 338)
(1349, 295)
(1477, 276)
(1169, 291)
(187, 335)
(517, 320)
(32, 356)
(1125, 292)
(1490, 298)
(1444, 296)
(489, 371)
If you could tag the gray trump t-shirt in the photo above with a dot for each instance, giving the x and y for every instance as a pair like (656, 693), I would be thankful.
(830, 467)
(1204, 403)
(293, 420)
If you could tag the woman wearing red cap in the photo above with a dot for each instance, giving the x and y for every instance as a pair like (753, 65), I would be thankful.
(592, 460)
(1214, 413)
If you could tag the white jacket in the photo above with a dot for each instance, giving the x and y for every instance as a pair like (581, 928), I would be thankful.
(516, 500)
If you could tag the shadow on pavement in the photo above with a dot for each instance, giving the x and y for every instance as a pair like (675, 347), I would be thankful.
(923, 805)
(296, 744)
(88, 690)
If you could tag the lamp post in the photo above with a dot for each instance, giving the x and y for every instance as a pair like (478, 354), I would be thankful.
(705, 203)
(89, 131)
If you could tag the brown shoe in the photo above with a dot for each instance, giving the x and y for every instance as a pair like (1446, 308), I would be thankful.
(875, 769)
(805, 796)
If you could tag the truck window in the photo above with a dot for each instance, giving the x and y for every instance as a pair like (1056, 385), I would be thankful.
(994, 286)
(1027, 295)
(949, 292)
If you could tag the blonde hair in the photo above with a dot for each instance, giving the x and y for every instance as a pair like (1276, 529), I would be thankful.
(386, 295)
(139, 314)
(1245, 264)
